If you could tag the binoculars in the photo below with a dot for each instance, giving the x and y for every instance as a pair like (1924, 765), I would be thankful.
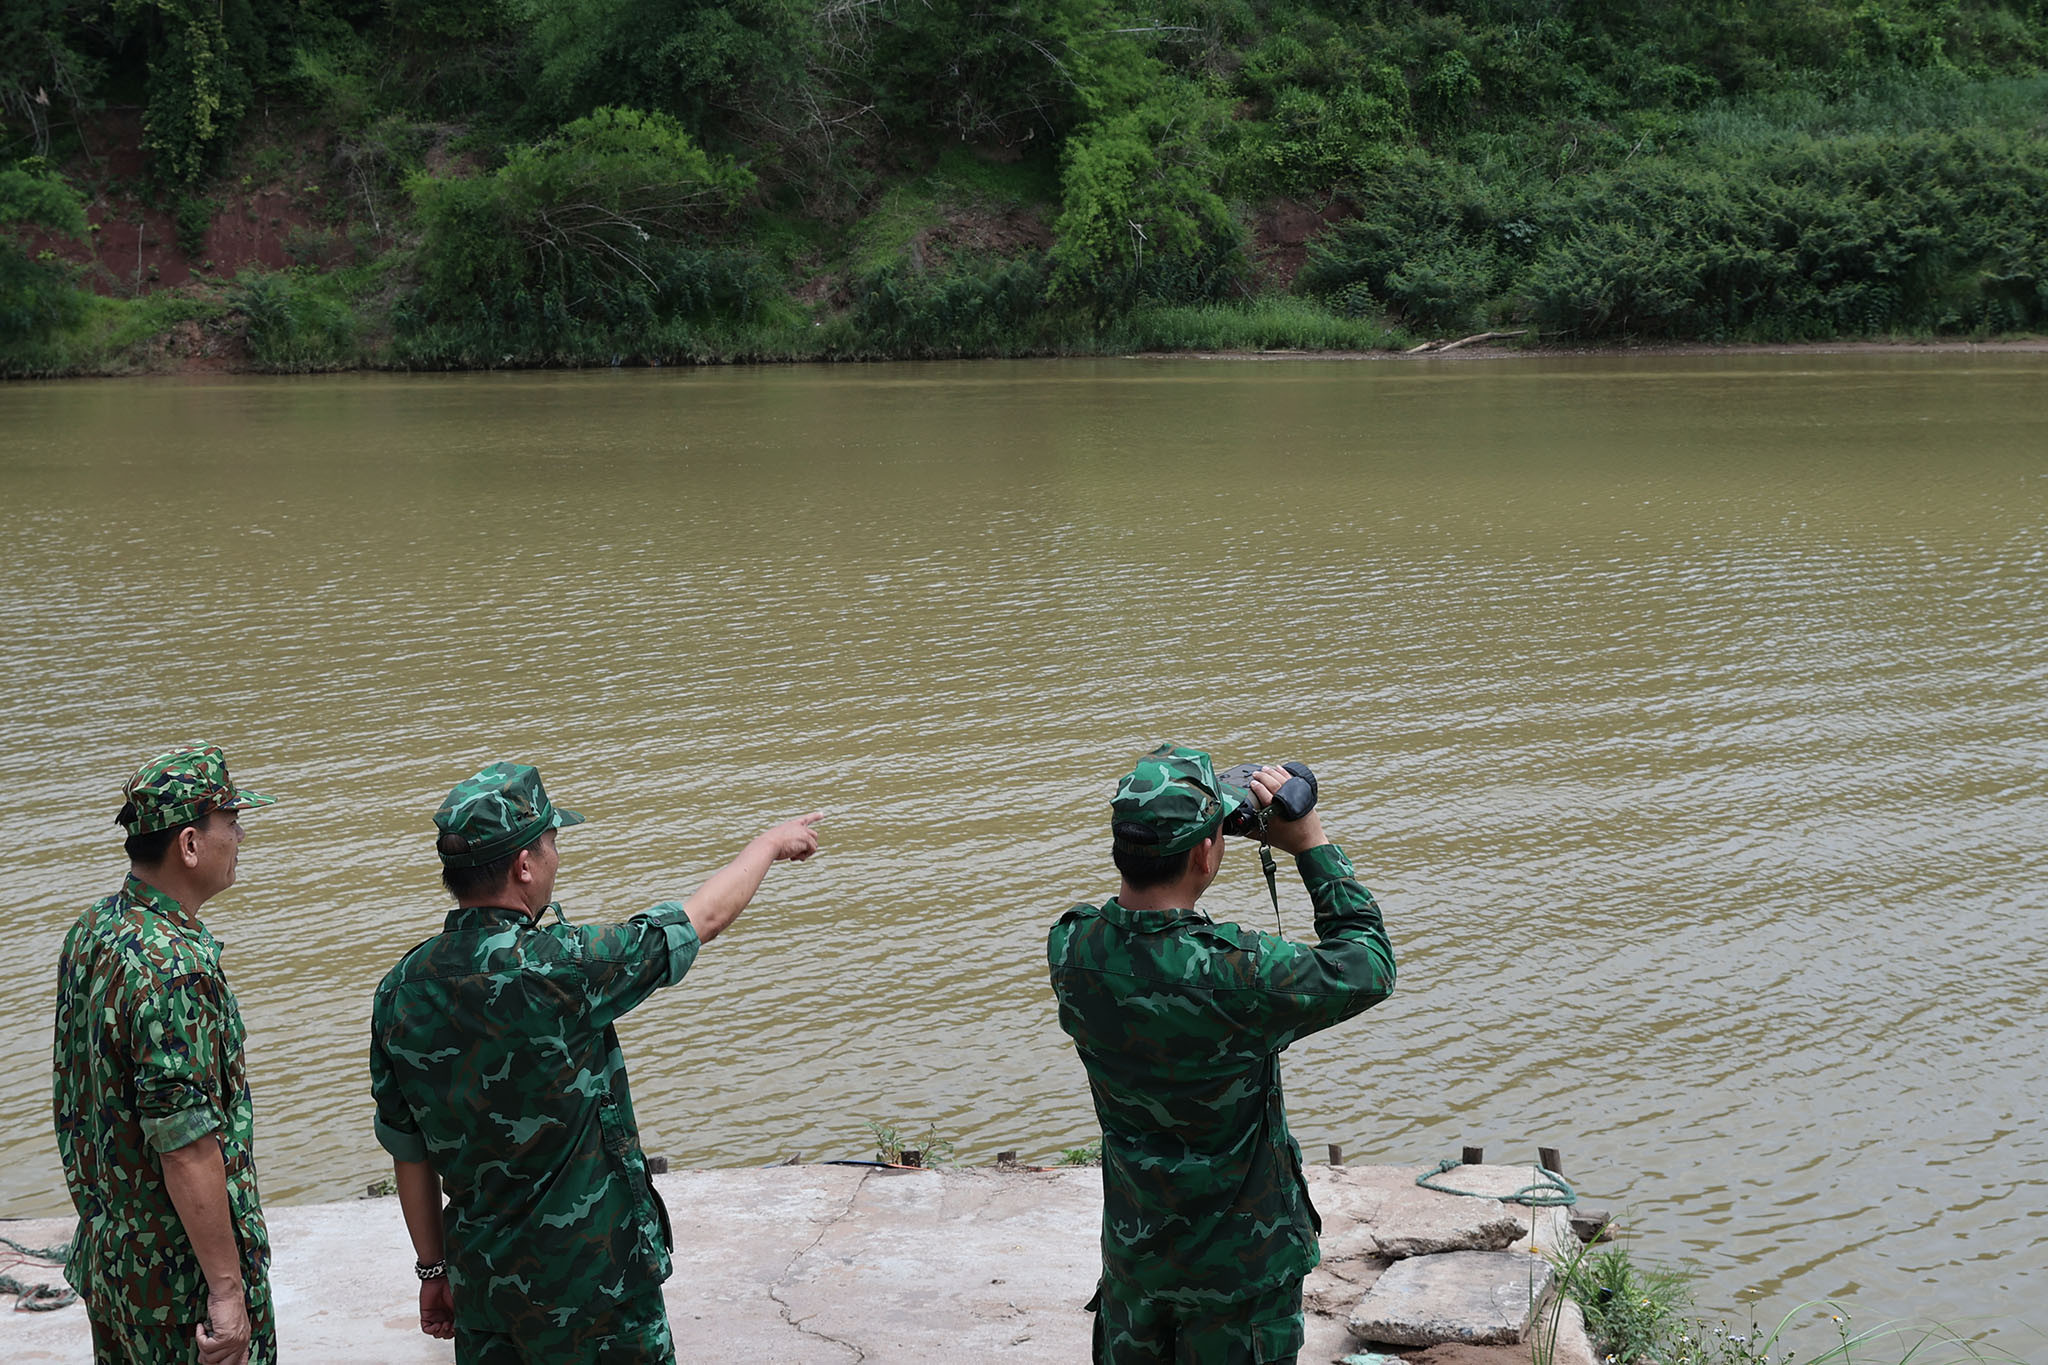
(1296, 798)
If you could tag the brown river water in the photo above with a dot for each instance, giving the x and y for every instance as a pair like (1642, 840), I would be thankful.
(1686, 714)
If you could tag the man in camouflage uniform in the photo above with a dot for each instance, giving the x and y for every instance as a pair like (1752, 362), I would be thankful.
(152, 1109)
(1207, 1228)
(498, 1078)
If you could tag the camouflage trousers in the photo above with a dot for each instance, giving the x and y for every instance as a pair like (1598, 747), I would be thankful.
(115, 1342)
(631, 1333)
(1131, 1329)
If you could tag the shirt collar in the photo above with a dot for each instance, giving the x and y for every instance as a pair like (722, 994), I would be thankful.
(1147, 921)
(162, 903)
(483, 917)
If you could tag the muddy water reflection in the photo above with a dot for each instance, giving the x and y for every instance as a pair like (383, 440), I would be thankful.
(1685, 713)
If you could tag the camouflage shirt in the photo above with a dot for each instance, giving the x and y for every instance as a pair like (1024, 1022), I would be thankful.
(493, 1058)
(147, 1059)
(1180, 1023)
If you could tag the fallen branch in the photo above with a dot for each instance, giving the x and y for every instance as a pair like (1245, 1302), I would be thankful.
(1436, 347)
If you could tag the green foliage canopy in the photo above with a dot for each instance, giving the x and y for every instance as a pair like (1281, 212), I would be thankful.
(595, 225)
(1932, 231)
(1140, 217)
(694, 59)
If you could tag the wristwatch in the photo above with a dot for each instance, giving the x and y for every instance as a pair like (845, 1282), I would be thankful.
(437, 1271)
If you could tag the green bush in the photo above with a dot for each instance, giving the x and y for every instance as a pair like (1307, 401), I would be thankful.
(691, 59)
(995, 308)
(1930, 232)
(1140, 218)
(33, 195)
(1433, 242)
(191, 216)
(37, 298)
(293, 323)
(1313, 140)
(1742, 226)
(576, 242)
(1633, 1312)
(678, 300)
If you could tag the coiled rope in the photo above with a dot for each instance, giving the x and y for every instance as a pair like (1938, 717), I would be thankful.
(1550, 1190)
(39, 1297)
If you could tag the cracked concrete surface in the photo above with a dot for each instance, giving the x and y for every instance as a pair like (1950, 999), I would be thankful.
(968, 1265)
(816, 1265)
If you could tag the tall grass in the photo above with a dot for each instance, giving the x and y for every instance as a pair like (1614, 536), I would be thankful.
(1261, 324)
(108, 336)
(1641, 1315)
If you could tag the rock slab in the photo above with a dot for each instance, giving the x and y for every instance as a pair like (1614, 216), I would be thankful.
(1379, 1211)
(1476, 1297)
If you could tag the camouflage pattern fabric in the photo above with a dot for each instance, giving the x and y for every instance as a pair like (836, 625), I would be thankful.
(147, 1059)
(1180, 1023)
(1173, 792)
(1265, 1329)
(183, 785)
(499, 810)
(493, 1058)
(631, 1333)
(151, 1343)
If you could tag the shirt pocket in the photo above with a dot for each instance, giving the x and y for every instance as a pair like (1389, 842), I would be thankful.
(1278, 1339)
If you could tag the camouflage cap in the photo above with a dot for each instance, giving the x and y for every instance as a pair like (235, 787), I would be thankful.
(1174, 794)
(183, 785)
(499, 811)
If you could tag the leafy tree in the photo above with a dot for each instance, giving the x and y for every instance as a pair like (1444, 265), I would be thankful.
(1004, 71)
(41, 68)
(461, 20)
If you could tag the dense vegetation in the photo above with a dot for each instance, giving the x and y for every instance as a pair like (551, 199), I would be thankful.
(581, 181)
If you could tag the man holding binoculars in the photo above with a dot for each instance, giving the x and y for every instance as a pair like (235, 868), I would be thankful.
(1207, 1228)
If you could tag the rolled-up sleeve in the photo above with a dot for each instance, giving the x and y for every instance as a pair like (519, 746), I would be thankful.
(397, 1134)
(176, 1040)
(681, 937)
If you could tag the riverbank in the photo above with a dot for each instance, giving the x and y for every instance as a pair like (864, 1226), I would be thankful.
(1494, 351)
(824, 1265)
(213, 345)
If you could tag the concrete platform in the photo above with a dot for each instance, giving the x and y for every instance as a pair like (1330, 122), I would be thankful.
(828, 1265)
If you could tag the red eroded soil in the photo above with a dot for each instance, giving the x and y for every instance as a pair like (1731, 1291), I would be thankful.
(1005, 232)
(270, 211)
(1282, 233)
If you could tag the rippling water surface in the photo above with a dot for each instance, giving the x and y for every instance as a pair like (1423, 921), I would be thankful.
(1686, 714)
